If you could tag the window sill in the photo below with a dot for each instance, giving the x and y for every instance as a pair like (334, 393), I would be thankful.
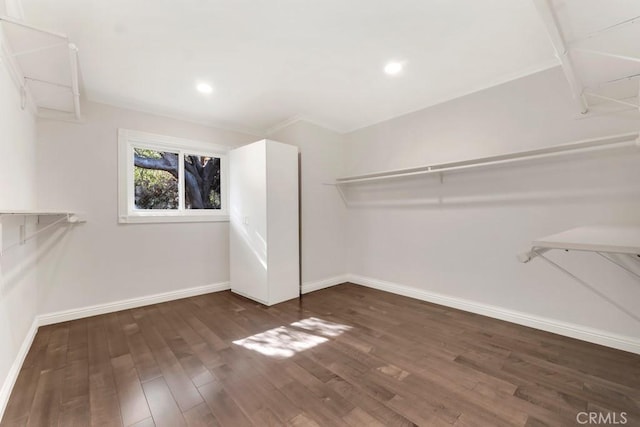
(155, 219)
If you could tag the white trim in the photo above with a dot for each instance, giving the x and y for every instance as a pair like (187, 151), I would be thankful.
(300, 118)
(95, 310)
(283, 124)
(166, 217)
(12, 375)
(124, 104)
(324, 283)
(583, 333)
(171, 142)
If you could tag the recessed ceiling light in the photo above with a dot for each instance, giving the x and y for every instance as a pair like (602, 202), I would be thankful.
(204, 88)
(393, 68)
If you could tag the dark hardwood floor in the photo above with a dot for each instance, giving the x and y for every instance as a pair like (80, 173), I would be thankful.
(347, 355)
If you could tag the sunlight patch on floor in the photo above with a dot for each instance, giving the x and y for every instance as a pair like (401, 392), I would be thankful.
(283, 342)
(322, 327)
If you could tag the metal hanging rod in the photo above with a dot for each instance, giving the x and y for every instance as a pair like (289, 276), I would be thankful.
(618, 80)
(556, 150)
(31, 27)
(40, 49)
(606, 98)
(606, 54)
(601, 31)
(63, 86)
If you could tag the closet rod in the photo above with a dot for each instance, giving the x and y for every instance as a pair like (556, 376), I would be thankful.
(556, 150)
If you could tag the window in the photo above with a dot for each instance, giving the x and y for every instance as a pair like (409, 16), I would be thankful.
(166, 179)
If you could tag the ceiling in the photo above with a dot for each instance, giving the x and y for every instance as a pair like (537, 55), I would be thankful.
(271, 62)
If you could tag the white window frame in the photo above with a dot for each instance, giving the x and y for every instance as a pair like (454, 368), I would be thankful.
(127, 213)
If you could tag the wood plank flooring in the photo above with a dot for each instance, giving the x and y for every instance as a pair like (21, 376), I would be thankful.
(343, 356)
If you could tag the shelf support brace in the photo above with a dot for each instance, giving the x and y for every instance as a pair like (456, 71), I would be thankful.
(19, 77)
(617, 101)
(64, 217)
(604, 30)
(619, 264)
(588, 286)
(608, 54)
(39, 49)
(557, 39)
(75, 80)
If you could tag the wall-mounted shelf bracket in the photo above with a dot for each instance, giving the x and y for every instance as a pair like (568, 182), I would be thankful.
(602, 240)
(62, 217)
(44, 65)
(548, 15)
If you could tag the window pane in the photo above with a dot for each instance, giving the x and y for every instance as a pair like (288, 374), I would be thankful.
(155, 179)
(202, 182)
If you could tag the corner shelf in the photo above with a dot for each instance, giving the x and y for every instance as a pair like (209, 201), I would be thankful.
(44, 65)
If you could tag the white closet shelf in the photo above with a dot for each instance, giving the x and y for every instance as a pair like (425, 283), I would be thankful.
(604, 240)
(71, 216)
(44, 64)
(614, 141)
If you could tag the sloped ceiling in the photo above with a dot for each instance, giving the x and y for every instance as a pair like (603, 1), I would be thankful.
(270, 61)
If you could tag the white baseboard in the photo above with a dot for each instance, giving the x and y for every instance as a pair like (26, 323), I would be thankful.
(324, 283)
(550, 325)
(94, 310)
(12, 375)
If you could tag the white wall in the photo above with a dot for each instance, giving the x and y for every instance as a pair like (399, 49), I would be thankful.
(17, 148)
(102, 261)
(17, 192)
(460, 238)
(323, 216)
